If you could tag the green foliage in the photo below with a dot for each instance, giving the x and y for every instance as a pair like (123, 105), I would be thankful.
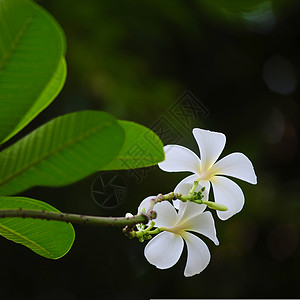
(31, 49)
(51, 239)
(52, 89)
(141, 148)
(60, 152)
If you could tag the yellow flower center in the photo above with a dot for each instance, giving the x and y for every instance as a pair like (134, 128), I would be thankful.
(176, 230)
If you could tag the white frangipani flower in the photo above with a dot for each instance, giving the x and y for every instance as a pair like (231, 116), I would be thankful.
(165, 249)
(206, 170)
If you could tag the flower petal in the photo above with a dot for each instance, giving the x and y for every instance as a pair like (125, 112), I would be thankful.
(201, 223)
(145, 204)
(164, 250)
(185, 185)
(166, 214)
(236, 165)
(189, 209)
(198, 255)
(228, 193)
(210, 144)
(178, 159)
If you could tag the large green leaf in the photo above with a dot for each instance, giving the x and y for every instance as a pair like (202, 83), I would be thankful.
(47, 96)
(51, 239)
(141, 148)
(60, 152)
(31, 49)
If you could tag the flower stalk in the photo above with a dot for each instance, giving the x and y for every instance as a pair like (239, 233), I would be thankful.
(191, 196)
(74, 218)
(127, 222)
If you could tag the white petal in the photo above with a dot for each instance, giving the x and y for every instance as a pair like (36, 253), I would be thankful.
(145, 204)
(198, 255)
(189, 209)
(228, 193)
(178, 159)
(210, 144)
(236, 165)
(185, 185)
(201, 223)
(166, 214)
(164, 250)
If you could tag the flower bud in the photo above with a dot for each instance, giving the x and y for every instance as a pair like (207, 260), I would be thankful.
(216, 206)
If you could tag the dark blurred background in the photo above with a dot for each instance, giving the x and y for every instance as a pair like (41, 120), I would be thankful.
(225, 65)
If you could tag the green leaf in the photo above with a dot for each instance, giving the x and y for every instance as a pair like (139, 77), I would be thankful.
(141, 148)
(31, 49)
(47, 96)
(51, 239)
(60, 152)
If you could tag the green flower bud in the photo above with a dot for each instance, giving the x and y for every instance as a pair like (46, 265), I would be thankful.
(216, 206)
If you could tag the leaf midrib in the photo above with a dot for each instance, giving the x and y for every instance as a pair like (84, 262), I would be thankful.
(26, 239)
(17, 39)
(62, 147)
(16, 129)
